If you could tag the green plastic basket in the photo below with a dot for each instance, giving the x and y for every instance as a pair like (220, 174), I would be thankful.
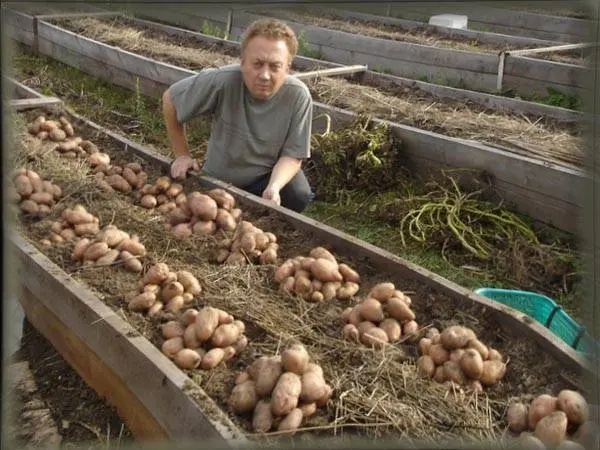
(545, 311)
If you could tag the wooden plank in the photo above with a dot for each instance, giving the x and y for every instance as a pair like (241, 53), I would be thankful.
(29, 103)
(300, 62)
(480, 36)
(76, 15)
(123, 366)
(17, 19)
(329, 72)
(554, 48)
(111, 55)
(516, 323)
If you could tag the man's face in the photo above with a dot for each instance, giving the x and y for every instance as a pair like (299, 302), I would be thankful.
(265, 64)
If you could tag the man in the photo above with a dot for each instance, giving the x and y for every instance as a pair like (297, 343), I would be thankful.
(262, 118)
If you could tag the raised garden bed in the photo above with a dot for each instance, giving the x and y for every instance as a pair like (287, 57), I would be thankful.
(143, 381)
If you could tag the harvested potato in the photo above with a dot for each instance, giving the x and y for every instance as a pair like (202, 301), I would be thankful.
(574, 406)
(552, 429)
(286, 394)
(243, 398)
(291, 422)
(295, 359)
(518, 417)
(262, 417)
(541, 406)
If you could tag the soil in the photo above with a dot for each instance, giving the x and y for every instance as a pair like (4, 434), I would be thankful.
(381, 389)
(517, 134)
(52, 403)
(422, 36)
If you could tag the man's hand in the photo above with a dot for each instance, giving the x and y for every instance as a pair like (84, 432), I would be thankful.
(272, 193)
(181, 165)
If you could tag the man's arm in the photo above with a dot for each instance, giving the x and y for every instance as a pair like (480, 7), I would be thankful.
(284, 170)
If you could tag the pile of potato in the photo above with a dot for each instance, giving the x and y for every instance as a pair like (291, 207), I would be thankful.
(317, 277)
(34, 195)
(119, 178)
(203, 338)
(163, 195)
(54, 130)
(383, 317)
(280, 391)
(560, 422)
(162, 289)
(74, 222)
(457, 355)
(203, 214)
(248, 244)
(109, 246)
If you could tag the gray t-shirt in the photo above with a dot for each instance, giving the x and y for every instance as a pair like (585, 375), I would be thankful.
(248, 136)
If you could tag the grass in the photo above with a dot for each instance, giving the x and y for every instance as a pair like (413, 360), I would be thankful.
(304, 49)
(140, 117)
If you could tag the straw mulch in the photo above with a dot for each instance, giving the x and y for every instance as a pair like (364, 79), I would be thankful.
(377, 394)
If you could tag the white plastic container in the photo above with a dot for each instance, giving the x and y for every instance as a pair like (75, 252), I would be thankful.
(449, 20)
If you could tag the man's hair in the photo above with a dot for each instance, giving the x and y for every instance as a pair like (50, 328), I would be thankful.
(272, 29)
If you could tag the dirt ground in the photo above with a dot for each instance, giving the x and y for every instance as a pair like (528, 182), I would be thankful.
(381, 390)
(544, 139)
(54, 406)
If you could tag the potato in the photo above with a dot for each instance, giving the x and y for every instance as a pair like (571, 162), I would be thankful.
(23, 185)
(206, 323)
(392, 328)
(371, 310)
(172, 329)
(130, 262)
(243, 397)
(325, 270)
(517, 417)
(172, 346)
(552, 429)
(148, 201)
(425, 366)
(291, 422)
(269, 256)
(313, 387)
(188, 317)
(262, 417)
(474, 386)
(182, 230)
(80, 248)
(453, 372)
(322, 402)
(424, 345)
(108, 258)
(212, 358)
(132, 246)
(308, 409)
(456, 336)
(493, 371)
(202, 206)
(56, 238)
(541, 406)
(187, 359)
(382, 291)
(56, 227)
(286, 393)
(118, 183)
(302, 284)
(154, 288)
(494, 355)
(285, 270)
(178, 216)
(399, 310)
(225, 220)
(350, 333)
(570, 445)
(270, 371)
(68, 234)
(175, 304)
(295, 359)
(374, 337)
(130, 176)
(471, 363)
(364, 326)
(321, 252)
(223, 198)
(203, 227)
(95, 251)
(174, 190)
(480, 347)
(99, 159)
(348, 273)
(172, 289)
(29, 207)
(190, 338)
(57, 135)
(574, 406)
(225, 335)
(86, 229)
(142, 302)
(240, 344)
(42, 198)
(439, 354)
(440, 374)
(347, 290)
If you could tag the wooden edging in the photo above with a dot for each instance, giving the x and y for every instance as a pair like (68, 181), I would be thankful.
(150, 393)
(547, 192)
(477, 71)
(500, 20)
